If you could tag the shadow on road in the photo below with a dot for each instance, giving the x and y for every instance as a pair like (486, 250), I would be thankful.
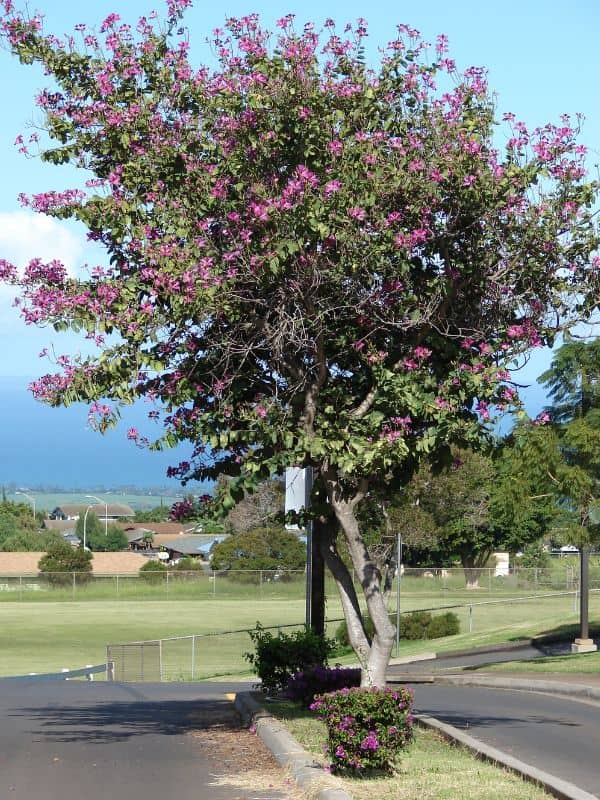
(119, 721)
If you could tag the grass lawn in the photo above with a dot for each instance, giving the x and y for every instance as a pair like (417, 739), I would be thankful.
(584, 663)
(47, 636)
(430, 769)
(44, 637)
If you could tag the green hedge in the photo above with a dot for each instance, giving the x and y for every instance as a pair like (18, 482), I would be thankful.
(414, 626)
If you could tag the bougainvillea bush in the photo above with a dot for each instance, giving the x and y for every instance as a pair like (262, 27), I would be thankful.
(367, 727)
(313, 259)
(303, 686)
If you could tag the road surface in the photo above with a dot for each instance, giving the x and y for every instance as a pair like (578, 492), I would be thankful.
(79, 740)
(558, 735)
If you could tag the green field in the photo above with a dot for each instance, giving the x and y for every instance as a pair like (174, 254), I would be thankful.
(47, 501)
(47, 636)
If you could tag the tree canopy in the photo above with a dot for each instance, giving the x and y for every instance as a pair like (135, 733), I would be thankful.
(564, 453)
(271, 549)
(313, 261)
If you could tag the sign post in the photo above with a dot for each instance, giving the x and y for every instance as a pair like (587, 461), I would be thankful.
(298, 488)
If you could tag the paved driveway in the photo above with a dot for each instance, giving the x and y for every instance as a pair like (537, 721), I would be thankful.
(105, 741)
(560, 736)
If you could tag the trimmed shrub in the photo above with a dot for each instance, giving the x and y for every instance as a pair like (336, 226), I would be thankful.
(304, 686)
(443, 625)
(276, 658)
(367, 727)
(413, 626)
(153, 572)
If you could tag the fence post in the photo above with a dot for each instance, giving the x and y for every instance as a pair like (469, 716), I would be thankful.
(489, 580)
(117, 585)
(470, 618)
(110, 670)
(20, 587)
(214, 583)
(260, 581)
(160, 660)
(74, 579)
(167, 584)
(193, 656)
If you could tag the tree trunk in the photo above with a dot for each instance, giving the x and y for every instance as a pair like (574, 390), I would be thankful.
(375, 666)
(343, 581)
(472, 566)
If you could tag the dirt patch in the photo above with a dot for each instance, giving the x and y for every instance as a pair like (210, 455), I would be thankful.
(241, 761)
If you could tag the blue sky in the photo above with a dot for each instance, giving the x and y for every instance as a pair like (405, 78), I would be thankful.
(543, 60)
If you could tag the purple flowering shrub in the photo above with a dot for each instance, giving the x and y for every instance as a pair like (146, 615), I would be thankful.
(366, 726)
(306, 684)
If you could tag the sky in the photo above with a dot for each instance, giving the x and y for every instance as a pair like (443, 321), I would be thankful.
(543, 61)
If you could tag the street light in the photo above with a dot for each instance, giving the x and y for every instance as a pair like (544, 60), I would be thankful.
(31, 500)
(97, 499)
(85, 525)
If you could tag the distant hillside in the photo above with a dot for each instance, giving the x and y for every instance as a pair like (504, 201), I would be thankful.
(40, 445)
(47, 501)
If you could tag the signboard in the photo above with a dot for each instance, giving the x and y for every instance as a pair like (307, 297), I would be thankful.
(298, 486)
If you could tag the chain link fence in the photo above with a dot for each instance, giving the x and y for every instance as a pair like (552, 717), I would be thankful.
(221, 654)
(437, 583)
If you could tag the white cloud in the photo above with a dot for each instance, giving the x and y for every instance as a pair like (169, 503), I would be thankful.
(24, 236)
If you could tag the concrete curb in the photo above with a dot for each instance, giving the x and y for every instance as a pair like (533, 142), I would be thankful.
(534, 685)
(555, 786)
(287, 751)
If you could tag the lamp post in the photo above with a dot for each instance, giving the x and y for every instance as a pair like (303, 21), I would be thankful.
(101, 502)
(85, 525)
(31, 500)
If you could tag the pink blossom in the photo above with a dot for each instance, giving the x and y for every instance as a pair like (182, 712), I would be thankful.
(331, 187)
(421, 353)
(356, 212)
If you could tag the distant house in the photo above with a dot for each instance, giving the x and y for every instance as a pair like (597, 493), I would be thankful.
(196, 546)
(104, 511)
(139, 538)
(63, 526)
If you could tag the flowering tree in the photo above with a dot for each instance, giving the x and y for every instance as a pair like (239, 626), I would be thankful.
(312, 262)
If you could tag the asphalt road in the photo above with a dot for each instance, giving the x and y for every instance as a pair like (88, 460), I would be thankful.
(473, 659)
(560, 736)
(100, 741)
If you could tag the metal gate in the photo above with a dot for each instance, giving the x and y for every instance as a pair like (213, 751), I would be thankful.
(135, 661)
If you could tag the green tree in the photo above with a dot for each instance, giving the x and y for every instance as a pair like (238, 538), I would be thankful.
(30, 541)
(157, 514)
(94, 529)
(465, 512)
(312, 262)
(565, 453)
(61, 560)
(15, 519)
(573, 380)
(260, 549)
